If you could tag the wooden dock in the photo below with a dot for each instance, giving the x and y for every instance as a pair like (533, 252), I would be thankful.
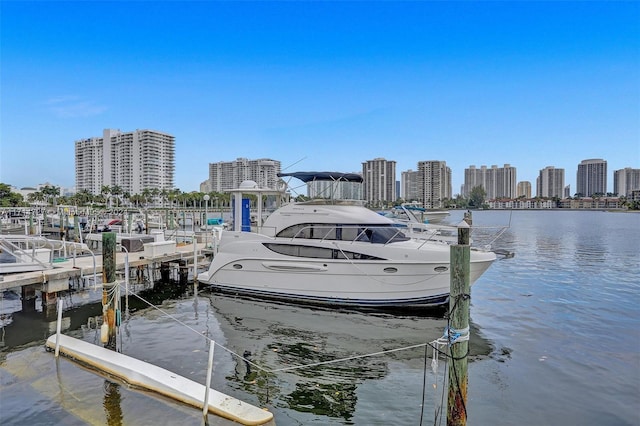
(57, 279)
(153, 378)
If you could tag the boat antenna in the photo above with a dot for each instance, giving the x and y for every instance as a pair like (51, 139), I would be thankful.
(293, 164)
(294, 190)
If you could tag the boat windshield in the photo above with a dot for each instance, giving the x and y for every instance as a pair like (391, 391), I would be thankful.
(375, 234)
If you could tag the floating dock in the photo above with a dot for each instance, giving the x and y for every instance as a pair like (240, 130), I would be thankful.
(150, 377)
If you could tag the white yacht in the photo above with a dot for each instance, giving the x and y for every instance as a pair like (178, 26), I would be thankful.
(337, 254)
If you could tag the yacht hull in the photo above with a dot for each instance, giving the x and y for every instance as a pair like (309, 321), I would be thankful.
(418, 275)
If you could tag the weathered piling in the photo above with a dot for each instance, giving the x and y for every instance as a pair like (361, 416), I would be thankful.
(109, 288)
(76, 228)
(183, 271)
(32, 229)
(459, 301)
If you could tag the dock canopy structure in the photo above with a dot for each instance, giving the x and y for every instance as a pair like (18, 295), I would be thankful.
(324, 176)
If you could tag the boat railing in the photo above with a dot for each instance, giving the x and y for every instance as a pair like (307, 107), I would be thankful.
(27, 250)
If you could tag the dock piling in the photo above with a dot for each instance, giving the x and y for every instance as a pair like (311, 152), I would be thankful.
(109, 300)
(205, 406)
(458, 331)
(58, 327)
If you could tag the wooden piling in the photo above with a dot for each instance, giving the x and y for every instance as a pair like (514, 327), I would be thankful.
(76, 229)
(459, 301)
(32, 229)
(109, 299)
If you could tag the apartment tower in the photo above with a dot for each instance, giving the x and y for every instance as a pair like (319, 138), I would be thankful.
(226, 175)
(498, 182)
(591, 177)
(550, 183)
(524, 189)
(379, 181)
(625, 181)
(409, 185)
(434, 183)
(133, 161)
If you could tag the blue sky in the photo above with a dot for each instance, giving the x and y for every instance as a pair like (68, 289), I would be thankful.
(323, 85)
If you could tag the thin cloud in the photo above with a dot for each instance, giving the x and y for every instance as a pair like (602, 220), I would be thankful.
(70, 106)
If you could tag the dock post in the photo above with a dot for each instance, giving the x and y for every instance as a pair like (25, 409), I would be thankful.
(32, 229)
(459, 327)
(58, 327)
(205, 405)
(183, 271)
(195, 266)
(109, 284)
(76, 229)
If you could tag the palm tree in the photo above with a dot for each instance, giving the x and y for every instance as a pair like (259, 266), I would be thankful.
(164, 194)
(146, 196)
(126, 197)
(116, 191)
(138, 199)
(84, 197)
(37, 197)
(105, 191)
(51, 192)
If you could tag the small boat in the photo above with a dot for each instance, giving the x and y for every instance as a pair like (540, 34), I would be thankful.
(405, 217)
(336, 253)
(420, 214)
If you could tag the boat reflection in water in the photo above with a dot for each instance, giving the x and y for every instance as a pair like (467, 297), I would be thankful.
(280, 337)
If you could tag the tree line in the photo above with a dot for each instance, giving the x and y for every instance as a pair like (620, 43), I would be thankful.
(113, 196)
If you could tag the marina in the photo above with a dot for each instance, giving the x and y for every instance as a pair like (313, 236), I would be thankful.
(542, 351)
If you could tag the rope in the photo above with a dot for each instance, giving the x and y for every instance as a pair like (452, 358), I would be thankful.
(198, 333)
(291, 368)
(449, 337)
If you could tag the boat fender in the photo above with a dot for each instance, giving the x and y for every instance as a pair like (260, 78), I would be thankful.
(104, 333)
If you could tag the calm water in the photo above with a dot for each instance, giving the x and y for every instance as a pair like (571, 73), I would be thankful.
(556, 341)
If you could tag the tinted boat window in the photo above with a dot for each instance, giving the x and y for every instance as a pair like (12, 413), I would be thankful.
(384, 235)
(317, 252)
(374, 234)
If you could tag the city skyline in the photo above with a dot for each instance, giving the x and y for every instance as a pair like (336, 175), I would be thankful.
(324, 85)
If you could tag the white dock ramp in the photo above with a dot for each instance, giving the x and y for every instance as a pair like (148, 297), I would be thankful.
(148, 376)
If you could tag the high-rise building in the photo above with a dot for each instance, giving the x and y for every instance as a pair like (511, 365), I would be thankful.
(226, 175)
(409, 185)
(524, 189)
(379, 181)
(550, 183)
(335, 190)
(591, 177)
(132, 161)
(498, 182)
(625, 181)
(434, 183)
